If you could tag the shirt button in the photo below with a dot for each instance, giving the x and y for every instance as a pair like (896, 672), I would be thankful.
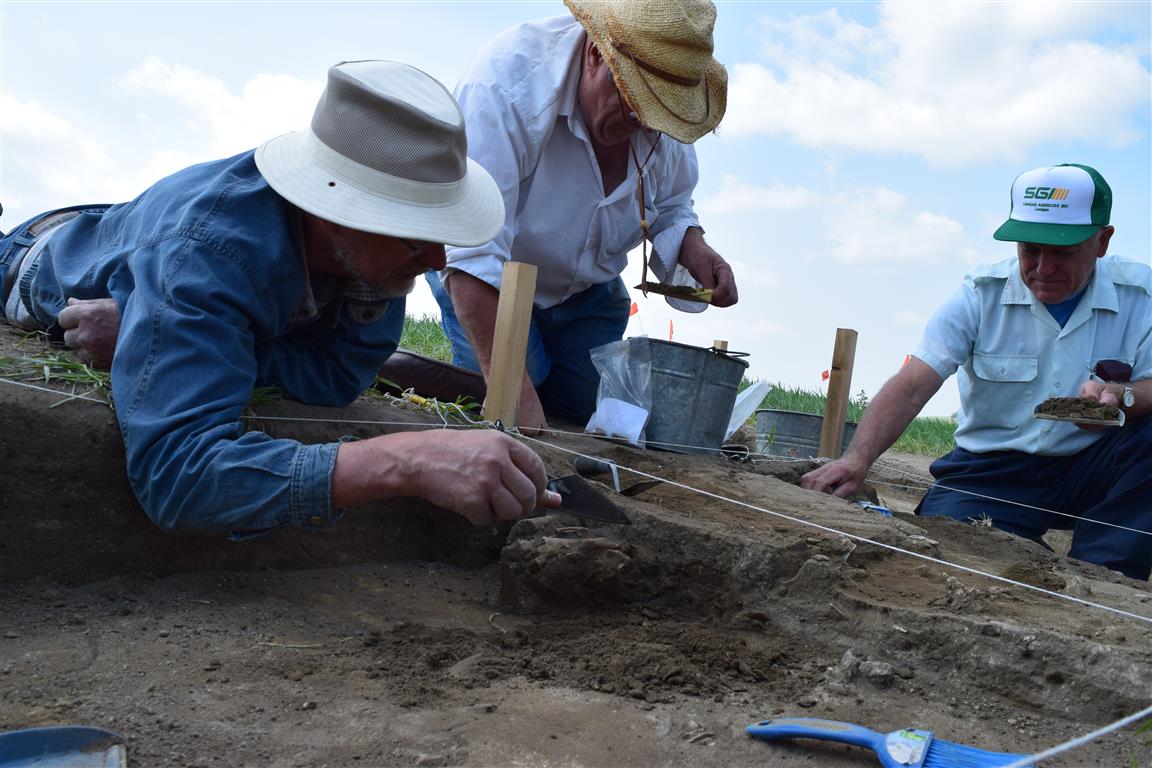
(315, 520)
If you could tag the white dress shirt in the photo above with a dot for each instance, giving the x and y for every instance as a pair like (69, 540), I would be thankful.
(524, 126)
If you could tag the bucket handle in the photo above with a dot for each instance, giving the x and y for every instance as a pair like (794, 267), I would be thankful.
(727, 352)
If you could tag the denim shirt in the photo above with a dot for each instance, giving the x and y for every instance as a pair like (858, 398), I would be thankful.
(208, 272)
(1010, 354)
(519, 100)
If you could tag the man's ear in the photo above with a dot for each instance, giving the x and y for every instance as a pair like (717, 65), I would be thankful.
(1105, 235)
(593, 60)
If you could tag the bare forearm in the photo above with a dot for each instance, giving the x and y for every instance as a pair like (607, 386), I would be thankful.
(475, 304)
(897, 403)
(374, 469)
(481, 474)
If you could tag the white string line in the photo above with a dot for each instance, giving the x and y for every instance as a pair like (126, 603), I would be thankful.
(782, 459)
(474, 422)
(1059, 749)
(51, 391)
(864, 539)
(1016, 504)
(1025, 762)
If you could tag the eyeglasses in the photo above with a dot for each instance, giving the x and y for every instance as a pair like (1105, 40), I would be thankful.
(1113, 370)
(415, 247)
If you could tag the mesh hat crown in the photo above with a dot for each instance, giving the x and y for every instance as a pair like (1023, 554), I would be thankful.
(660, 54)
(386, 152)
(1057, 205)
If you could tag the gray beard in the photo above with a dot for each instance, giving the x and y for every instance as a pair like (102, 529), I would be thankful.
(396, 288)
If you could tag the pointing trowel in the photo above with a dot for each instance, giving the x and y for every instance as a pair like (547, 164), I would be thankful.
(579, 498)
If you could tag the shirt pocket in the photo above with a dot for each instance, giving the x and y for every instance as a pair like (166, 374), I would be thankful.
(1003, 388)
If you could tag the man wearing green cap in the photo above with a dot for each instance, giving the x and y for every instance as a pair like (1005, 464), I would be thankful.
(1062, 319)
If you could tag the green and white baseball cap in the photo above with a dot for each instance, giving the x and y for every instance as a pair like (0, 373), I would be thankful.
(1057, 205)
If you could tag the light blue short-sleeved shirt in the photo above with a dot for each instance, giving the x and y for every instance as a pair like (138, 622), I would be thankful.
(1012, 354)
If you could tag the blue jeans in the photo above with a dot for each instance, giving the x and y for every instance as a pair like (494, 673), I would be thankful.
(15, 245)
(1110, 481)
(559, 341)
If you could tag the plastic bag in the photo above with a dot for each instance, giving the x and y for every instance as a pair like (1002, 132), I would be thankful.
(624, 398)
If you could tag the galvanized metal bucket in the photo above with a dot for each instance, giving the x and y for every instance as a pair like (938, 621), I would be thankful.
(792, 434)
(693, 391)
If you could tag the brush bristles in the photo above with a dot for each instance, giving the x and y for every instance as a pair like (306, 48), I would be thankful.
(947, 754)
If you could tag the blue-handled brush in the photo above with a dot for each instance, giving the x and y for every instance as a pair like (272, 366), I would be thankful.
(909, 748)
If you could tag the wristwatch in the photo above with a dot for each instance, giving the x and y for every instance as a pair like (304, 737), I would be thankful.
(1129, 398)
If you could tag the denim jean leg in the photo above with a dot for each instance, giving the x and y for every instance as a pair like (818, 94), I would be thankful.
(463, 355)
(12, 246)
(596, 316)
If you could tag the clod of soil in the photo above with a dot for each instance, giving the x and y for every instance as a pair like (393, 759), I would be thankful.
(1078, 408)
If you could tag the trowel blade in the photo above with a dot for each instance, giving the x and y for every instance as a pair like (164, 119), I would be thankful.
(579, 498)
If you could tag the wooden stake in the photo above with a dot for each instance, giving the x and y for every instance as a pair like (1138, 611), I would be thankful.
(839, 387)
(510, 342)
(720, 345)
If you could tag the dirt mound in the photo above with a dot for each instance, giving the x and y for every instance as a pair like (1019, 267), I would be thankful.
(407, 637)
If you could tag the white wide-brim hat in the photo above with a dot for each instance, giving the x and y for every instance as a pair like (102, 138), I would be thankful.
(386, 153)
(660, 54)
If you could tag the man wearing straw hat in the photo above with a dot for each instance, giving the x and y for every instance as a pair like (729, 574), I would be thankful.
(283, 266)
(1061, 319)
(586, 123)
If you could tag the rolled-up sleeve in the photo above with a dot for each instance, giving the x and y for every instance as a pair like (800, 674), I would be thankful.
(674, 206)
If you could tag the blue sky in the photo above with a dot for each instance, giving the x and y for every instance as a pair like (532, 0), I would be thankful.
(863, 164)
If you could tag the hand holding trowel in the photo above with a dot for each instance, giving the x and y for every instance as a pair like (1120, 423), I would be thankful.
(579, 498)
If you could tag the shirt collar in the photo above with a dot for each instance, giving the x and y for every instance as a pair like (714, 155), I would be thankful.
(1100, 292)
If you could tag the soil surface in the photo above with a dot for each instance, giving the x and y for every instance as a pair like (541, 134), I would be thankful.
(406, 637)
(1078, 408)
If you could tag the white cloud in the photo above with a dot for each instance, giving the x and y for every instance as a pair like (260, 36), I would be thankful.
(225, 123)
(46, 147)
(855, 225)
(908, 319)
(953, 82)
(53, 157)
(876, 225)
(736, 195)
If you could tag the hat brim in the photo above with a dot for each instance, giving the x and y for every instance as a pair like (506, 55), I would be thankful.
(649, 96)
(685, 113)
(1045, 234)
(465, 213)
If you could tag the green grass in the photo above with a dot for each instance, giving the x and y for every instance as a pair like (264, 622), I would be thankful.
(424, 336)
(927, 436)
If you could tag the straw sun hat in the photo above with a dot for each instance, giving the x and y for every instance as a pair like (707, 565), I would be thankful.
(386, 153)
(660, 53)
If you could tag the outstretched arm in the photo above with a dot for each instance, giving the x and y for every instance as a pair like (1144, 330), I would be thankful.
(887, 416)
(484, 475)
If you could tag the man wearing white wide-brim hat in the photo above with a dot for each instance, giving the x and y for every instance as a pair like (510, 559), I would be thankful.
(283, 266)
(1060, 320)
(586, 123)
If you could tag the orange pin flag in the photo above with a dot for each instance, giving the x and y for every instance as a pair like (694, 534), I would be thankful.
(633, 310)
(825, 374)
(669, 330)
